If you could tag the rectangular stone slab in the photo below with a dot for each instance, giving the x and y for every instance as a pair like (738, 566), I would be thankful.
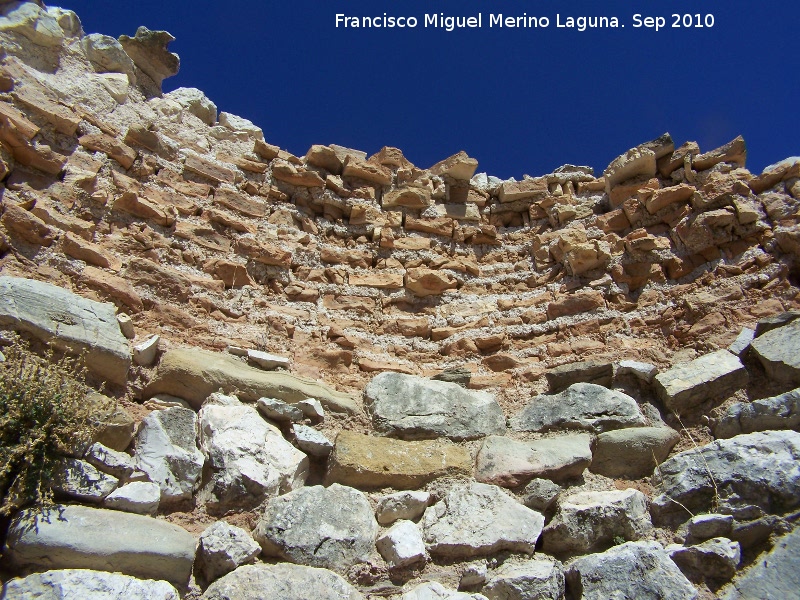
(79, 537)
(687, 385)
(193, 374)
(53, 314)
(365, 461)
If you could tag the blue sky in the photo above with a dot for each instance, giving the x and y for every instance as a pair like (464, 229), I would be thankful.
(519, 100)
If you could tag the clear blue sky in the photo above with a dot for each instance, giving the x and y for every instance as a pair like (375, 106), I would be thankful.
(518, 100)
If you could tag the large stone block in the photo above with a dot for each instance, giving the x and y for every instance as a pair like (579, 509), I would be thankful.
(509, 463)
(331, 527)
(412, 407)
(476, 519)
(631, 570)
(581, 406)
(365, 461)
(746, 476)
(779, 352)
(84, 584)
(194, 374)
(284, 581)
(778, 412)
(78, 537)
(632, 453)
(68, 321)
(710, 376)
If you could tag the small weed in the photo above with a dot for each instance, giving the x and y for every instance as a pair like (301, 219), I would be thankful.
(43, 416)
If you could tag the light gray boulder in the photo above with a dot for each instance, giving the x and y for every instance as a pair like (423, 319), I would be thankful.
(536, 578)
(589, 521)
(250, 460)
(79, 537)
(496, 522)
(283, 580)
(747, 476)
(85, 584)
(312, 408)
(278, 410)
(433, 590)
(581, 406)
(79, 480)
(474, 574)
(402, 505)
(331, 527)
(778, 412)
(640, 370)
(144, 353)
(710, 376)
(411, 407)
(196, 102)
(107, 55)
(632, 453)
(140, 497)
(33, 22)
(222, 549)
(707, 526)
(118, 464)
(401, 545)
(741, 344)
(510, 463)
(775, 574)
(68, 321)
(715, 560)
(194, 374)
(311, 441)
(630, 571)
(166, 450)
(540, 494)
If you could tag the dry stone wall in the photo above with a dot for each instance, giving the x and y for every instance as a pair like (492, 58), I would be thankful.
(311, 334)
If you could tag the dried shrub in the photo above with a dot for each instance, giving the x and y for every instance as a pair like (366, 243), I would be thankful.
(43, 417)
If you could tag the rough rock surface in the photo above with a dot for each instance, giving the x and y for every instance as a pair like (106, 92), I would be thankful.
(536, 578)
(331, 527)
(710, 376)
(79, 480)
(778, 412)
(401, 545)
(284, 580)
(495, 522)
(249, 459)
(631, 570)
(55, 315)
(412, 407)
(715, 560)
(632, 453)
(223, 548)
(166, 450)
(140, 497)
(370, 461)
(779, 352)
(775, 574)
(193, 374)
(77, 537)
(509, 463)
(81, 584)
(433, 590)
(755, 474)
(401, 505)
(581, 406)
(540, 494)
(587, 521)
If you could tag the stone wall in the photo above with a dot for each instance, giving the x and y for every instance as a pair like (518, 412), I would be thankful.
(346, 267)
